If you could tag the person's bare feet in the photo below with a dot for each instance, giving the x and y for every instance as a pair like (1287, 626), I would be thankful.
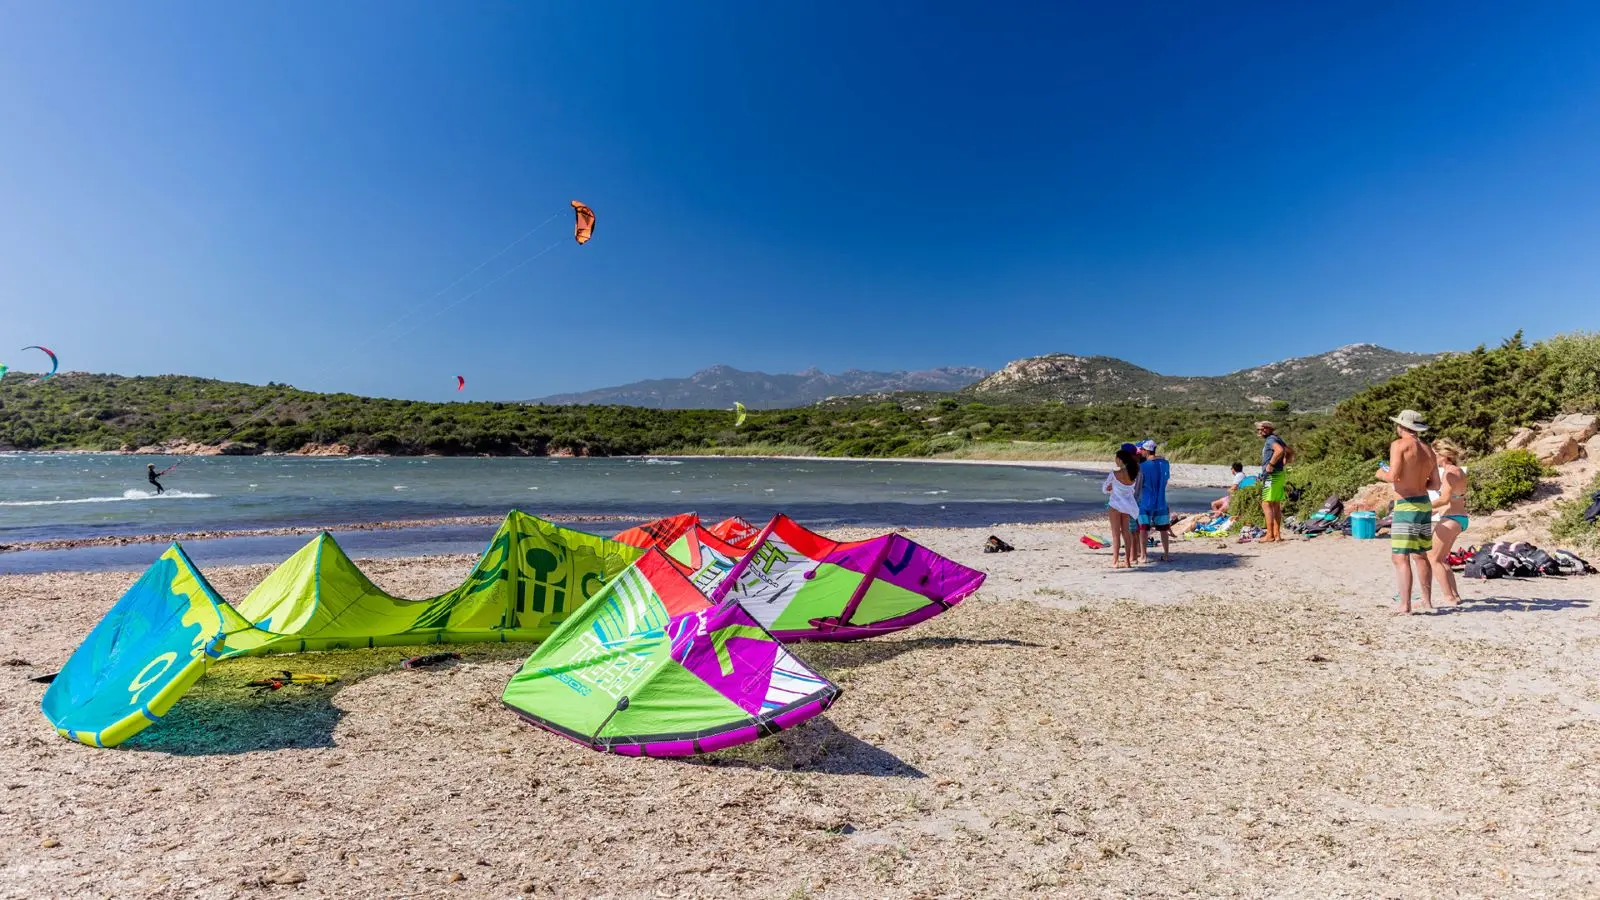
(1401, 609)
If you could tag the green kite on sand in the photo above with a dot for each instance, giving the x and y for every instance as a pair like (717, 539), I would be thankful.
(171, 625)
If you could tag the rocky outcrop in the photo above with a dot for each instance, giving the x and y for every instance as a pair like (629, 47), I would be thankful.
(1555, 449)
(324, 450)
(1377, 497)
(1558, 441)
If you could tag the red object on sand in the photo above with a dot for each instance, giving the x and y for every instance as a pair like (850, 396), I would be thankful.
(1091, 543)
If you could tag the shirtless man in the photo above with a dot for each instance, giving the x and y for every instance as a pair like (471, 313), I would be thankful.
(1414, 471)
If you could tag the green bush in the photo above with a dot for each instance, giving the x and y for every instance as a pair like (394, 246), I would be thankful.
(1476, 399)
(1317, 480)
(1502, 479)
(1570, 525)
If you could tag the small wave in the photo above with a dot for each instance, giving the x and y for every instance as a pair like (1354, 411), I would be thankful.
(359, 458)
(652, 461)
(930, 493)
(399, 487)
(126, 495)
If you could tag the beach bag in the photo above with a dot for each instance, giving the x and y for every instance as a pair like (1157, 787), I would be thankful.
(1483, 565)
(995, 545)
(1539, 561)
(1507, 558)
(1572, 564)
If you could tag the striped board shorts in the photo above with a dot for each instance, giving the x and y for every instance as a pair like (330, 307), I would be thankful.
(1411, 530)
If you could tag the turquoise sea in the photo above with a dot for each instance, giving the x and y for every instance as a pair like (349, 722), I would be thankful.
(73, 496)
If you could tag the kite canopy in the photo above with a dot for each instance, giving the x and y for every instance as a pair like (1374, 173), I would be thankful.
(171, 625)
(737, 531)
(54, 363)
(153, 644)
(649, 668)
(461, 383)
(803, 586)
(705, 557)
(738, 414)
(661, 532)
(583, 224)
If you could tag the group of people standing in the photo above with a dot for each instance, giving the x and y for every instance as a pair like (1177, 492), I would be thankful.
(1138, 503)
(1427, 519)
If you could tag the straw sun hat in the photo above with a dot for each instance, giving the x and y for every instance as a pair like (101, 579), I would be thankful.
(1410, 420)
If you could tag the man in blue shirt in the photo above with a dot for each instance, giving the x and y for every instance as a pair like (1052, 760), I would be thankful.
(1153, 512)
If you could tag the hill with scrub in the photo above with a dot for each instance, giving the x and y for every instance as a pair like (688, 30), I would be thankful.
(1488, 401)
(178, 413)
(1303, 383)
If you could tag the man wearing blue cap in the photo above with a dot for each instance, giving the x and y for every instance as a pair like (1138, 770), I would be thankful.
(1154, 471)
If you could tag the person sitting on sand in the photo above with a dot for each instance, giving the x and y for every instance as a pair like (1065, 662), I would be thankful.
(1123, 486)
(1413, 470)
(1220, 505)
(150, 472)
(1154, 472)
(1449, 516)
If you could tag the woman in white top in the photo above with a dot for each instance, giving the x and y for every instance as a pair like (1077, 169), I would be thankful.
(1123, 486)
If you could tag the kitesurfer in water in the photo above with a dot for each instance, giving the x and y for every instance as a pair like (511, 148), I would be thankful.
(150, 471)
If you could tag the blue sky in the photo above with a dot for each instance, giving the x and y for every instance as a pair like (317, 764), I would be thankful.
(260, 191)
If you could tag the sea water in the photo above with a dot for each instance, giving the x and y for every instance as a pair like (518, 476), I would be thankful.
(71, 496)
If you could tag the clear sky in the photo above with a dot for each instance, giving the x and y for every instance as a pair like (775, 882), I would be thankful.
(259, 191)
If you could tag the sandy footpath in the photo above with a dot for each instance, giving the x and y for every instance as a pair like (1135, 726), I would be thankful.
(1244, 721)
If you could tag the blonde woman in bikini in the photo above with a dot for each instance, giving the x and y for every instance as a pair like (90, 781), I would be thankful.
(1449, 516)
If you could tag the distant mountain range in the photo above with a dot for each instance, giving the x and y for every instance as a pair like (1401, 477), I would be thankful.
(719, 387)
(1304, 383)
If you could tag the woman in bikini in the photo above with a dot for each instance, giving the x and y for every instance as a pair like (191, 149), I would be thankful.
(1123, 486)
(1449, 516)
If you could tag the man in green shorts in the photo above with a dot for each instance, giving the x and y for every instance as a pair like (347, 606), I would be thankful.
(1414, 471)
(1274, 454)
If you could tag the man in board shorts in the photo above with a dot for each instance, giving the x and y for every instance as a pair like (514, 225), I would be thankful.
(1274, 453)
(1414, 471)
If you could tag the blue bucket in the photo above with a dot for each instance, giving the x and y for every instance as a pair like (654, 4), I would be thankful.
(1364, 525)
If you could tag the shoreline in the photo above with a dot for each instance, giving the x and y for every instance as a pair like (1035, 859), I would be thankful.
(1185, 475)
(122, 540)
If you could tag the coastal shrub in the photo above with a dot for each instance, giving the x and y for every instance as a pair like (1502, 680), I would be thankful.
(1316, 480)
(1499, 480)
(1476, 399)
(1569, 524)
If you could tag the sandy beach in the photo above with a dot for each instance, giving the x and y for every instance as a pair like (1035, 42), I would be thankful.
(1243, 721)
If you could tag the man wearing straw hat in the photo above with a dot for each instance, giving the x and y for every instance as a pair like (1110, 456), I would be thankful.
(1414, 471)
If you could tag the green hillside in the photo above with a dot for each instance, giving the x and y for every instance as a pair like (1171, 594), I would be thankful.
(112, 412)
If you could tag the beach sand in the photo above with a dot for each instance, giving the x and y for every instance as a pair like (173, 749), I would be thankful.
(1244, 721)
